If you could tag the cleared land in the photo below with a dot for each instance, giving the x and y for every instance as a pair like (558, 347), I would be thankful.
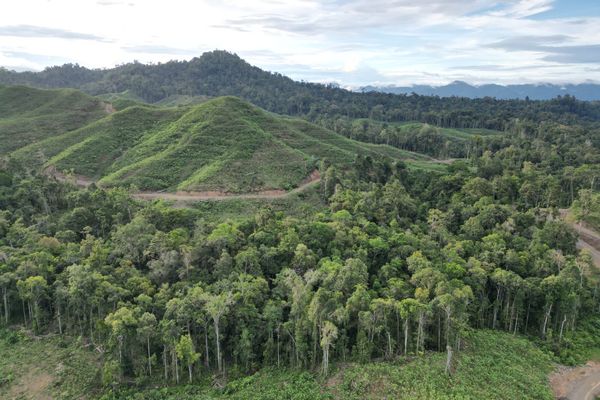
(222, 145)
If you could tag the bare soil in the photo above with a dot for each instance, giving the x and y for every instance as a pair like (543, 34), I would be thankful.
(576, 383)
(32, 385)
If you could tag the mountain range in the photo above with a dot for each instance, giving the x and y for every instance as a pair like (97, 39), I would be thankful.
(542, 91)
(221, 73)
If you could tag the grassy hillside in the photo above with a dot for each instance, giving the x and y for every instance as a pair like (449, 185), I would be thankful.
(221, 144)
(29, 115)
(494, 365)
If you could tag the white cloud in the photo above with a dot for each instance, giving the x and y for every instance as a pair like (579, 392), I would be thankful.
(354, 42)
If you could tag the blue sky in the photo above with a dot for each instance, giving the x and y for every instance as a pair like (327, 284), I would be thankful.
(351, 42)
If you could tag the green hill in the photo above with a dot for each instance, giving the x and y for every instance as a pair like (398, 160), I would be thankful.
(29, 115)
(223, 144)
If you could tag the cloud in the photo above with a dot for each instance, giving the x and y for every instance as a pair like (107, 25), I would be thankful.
(529, 43)
(114, 3)
(499, 67)
(42, 59)
(353, 15)
(32, 31)
(158, 49)
(574, 54)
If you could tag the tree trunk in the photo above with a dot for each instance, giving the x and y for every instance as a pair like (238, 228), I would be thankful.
(448, 359)
(165, 363)
(5, 299)
(176, 368)
(190, 371)
(59, 321)
(546, 317)
(527, 316)
(278, 350)
(206, 358)
(219, 362)
(562, 326)
(149, 361)
(24, 313)
(406, 337)
(325, 359)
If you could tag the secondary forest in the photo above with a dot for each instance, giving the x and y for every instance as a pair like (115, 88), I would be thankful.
(397, 263)
(388, 263)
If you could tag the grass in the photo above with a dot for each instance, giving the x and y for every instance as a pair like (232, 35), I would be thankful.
(30, 115)
(413, 127)
(222, 144)
(494, 365)
(296, 205)
(46, 368)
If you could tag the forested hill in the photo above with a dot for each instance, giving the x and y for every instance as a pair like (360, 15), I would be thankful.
(221, 73)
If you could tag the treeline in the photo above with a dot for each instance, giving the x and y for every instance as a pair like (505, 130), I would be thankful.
(400, 263)
(221, 73)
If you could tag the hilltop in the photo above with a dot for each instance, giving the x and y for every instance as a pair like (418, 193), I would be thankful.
(223, 144)
(220, 73)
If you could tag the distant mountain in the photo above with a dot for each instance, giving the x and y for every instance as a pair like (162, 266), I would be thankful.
(220, 73)
(546, 91)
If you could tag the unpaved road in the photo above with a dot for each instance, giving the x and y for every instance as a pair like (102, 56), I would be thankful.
(578, 383)
(189, 197)
(588, 238)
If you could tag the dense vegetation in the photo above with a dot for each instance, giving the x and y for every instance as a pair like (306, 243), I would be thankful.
(438, 274)
(400, 262)
(219, 73)
(222, 144)
(497, 358)
(29, 115)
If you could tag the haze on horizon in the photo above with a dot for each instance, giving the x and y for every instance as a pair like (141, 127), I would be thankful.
(351, 42)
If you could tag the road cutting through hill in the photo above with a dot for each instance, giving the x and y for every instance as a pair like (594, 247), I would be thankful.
(194, 196)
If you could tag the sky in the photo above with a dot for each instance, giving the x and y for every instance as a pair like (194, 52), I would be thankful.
(350, 42)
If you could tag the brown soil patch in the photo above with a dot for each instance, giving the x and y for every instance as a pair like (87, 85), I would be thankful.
(32, 385)
(108, 108)
(566, 379)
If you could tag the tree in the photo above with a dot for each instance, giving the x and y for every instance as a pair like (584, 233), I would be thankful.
(6, 281)
(146, 330)
(34, 290)
(217, 305)
(329, 334)
(122, 324)
(186, 353)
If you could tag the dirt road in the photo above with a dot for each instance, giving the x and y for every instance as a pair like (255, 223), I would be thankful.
(188, 197)
(588, 238)
(580, 383)
(577, 383)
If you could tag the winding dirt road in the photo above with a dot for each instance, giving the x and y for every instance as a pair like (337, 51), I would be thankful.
(190, 197)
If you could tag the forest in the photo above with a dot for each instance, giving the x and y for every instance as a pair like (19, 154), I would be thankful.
(397, 263)
(454, 241)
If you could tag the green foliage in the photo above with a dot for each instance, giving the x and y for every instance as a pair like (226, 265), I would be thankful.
(46, 367)
(492, 366)
(30, 115)
(223, 144)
